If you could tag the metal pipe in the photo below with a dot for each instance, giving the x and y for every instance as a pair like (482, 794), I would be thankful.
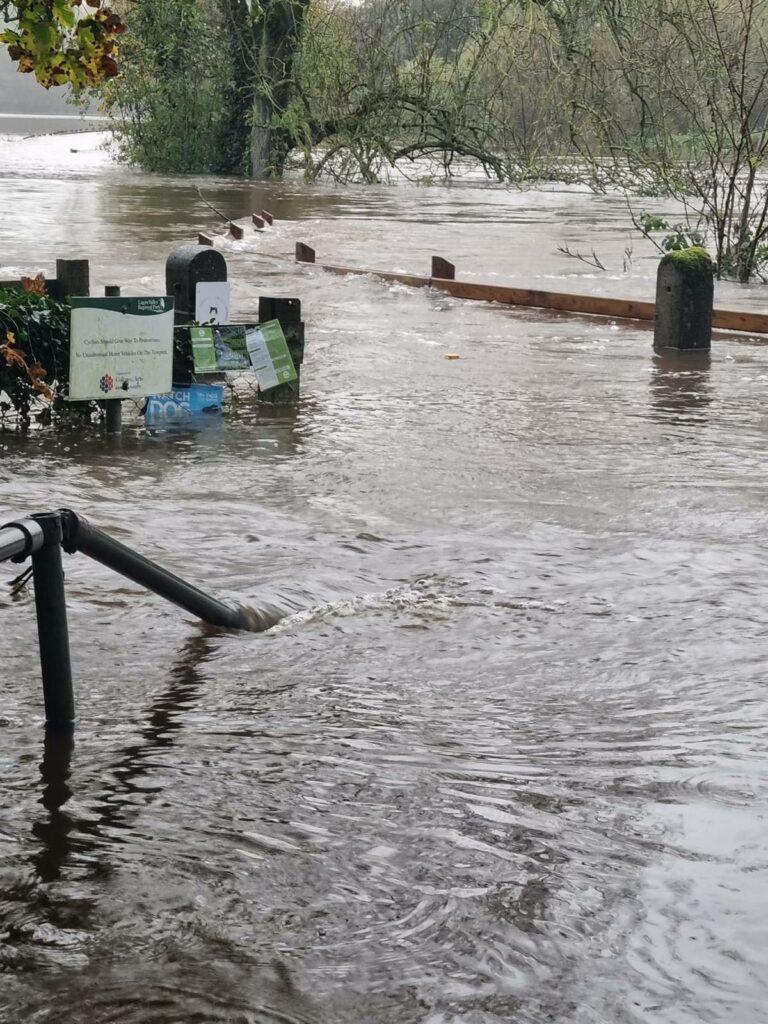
(81, 536)
(53, 633)
(19, 540)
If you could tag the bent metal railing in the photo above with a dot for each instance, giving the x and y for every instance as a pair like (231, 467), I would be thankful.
(42, 538)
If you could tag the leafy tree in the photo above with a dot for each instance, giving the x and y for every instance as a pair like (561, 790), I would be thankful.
(62, 42)
(176, 105)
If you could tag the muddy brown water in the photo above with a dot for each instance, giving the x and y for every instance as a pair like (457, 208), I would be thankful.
(505, 759)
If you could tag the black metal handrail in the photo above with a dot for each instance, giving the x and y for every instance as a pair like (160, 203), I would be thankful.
(42, 538)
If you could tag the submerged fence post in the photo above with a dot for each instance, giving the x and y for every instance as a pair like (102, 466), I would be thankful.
(51, 607)
(443, 269)
(288, 312)
(685, 292)
(305, 253)
(73, 277)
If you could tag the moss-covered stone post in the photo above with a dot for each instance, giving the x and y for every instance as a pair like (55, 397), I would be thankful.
(685, 292)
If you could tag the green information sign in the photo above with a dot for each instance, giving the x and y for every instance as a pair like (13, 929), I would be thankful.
(270, 355)
(219, 347)
(261, 347)
(203, 350)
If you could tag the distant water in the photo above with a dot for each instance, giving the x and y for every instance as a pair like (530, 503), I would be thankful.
(47, 124)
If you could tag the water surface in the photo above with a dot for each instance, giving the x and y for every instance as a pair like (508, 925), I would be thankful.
(505, 759)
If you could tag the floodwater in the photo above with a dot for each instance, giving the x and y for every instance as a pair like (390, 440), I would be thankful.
(506, 759)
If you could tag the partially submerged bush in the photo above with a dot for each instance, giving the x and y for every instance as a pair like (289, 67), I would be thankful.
(34, 354)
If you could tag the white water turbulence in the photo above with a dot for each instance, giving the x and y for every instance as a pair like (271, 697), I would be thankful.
(504, 759)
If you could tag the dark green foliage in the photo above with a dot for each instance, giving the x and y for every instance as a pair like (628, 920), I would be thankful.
(34, 356)
(176, 104)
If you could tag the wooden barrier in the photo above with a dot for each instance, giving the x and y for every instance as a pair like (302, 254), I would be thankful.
(564, 302)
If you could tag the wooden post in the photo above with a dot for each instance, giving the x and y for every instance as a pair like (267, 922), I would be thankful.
(258, 222)
(236, 231)
(288, 312)
(304, 253)
(204, 239)
(113, 407)
(73, 277)
(267, 216)
(443, 269)
(685, 292)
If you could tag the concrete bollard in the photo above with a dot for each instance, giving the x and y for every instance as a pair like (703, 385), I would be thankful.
(236, 231)
(185, 268)
(288, 312)
(258, 222)
(685, 293)
(268, 217)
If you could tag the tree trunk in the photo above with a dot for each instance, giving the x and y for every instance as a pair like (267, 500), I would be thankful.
(262, 157)
(275, 40)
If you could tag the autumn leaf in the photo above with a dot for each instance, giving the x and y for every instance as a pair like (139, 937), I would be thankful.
(34, 285)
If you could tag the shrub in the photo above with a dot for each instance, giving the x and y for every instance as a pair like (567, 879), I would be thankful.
(34, 354)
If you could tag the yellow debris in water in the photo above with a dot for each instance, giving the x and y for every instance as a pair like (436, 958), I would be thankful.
(452, 355)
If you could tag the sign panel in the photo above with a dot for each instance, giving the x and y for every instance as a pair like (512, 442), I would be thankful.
(218, 348)
(120, 348)
(212, 302)
(184, 403)
(270, 356)
(203, 350)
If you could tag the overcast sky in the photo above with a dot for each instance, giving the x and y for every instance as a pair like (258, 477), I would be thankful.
(20, 94)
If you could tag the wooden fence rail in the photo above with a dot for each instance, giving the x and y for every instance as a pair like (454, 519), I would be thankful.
(592, 305)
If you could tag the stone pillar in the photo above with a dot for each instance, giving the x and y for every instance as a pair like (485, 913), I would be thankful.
(685, 292)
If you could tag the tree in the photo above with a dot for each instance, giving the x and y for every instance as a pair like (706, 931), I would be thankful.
(265, 37)
(62, 42)
(674, 102)
(175, 104)
(226, 68)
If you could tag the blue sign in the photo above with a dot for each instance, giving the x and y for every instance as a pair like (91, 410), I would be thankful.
(184, 403)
